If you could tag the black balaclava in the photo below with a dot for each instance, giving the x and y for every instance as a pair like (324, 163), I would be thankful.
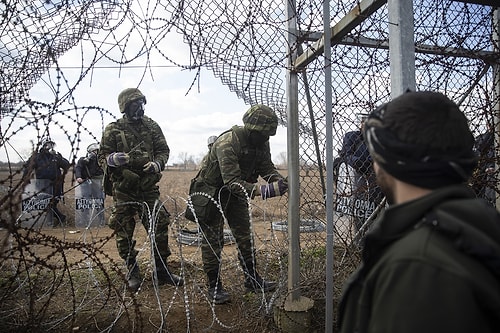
(257, 138)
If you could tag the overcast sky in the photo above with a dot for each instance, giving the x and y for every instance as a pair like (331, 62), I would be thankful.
(186, 120)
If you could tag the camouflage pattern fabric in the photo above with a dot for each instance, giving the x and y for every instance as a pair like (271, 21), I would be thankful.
(233, 162)
(128, 95)
(134, 192)
(212, 225)
(122, 221)
(232, 168)
(261, 118)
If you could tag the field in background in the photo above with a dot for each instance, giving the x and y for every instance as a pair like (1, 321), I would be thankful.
(76, 275)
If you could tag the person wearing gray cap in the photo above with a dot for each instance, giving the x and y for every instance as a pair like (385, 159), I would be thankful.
(210, 142)
(431, 263)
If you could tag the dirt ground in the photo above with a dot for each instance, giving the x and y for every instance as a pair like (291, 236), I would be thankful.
(185, 309)
(87, 273)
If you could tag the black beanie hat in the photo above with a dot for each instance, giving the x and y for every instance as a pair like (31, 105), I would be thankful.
(422, 138)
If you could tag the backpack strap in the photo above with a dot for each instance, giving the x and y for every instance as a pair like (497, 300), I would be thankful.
(240, 133)
(139, 137)
(124, 141)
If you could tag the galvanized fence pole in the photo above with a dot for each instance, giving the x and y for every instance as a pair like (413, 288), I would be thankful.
(293, 157)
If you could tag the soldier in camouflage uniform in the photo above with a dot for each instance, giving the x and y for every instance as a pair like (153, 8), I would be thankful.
(134, 152)
(210, 142)
(235, 161)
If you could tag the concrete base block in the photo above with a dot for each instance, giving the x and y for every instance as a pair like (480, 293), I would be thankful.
(294, 316)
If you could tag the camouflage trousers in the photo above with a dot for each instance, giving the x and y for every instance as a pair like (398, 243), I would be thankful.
(212, 225)
(151, 213)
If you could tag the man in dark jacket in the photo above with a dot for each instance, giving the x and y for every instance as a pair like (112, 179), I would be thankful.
(366, 194)
(88, 167)
(228, 180)
(432, 261)
(49, 164)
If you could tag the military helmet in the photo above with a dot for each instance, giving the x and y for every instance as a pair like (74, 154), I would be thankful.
(261, 118)
(211, 140)
(128, 95)
(92, 147)
(46, 140)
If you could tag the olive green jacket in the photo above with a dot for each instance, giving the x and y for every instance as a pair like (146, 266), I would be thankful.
(143, 140)
(429, 265)
(235, 163)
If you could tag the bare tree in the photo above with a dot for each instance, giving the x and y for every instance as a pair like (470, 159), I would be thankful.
(186, 160)
(281, 160)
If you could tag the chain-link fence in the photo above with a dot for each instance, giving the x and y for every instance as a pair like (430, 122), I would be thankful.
(455, 51)
(453, 55)
(244, 44)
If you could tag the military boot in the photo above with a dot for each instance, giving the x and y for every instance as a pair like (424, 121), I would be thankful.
(255, 283)
(216, 292)
(134, 278)
(166, 277)
(60, 217)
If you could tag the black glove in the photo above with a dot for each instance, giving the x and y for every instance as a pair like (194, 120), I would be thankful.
(151, 167)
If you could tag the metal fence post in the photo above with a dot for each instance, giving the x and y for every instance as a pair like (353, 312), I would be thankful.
(401, 46)
(329, 302)
(293, 158)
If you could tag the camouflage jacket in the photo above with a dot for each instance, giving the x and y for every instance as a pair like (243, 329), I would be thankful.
(233, 162)
(142, 140)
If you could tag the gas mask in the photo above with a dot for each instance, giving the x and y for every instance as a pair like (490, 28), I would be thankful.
(135, 109)
(49, 147)
(91, 155)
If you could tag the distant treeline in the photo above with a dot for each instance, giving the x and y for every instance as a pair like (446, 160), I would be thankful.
(9, 165)
(6, 166)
